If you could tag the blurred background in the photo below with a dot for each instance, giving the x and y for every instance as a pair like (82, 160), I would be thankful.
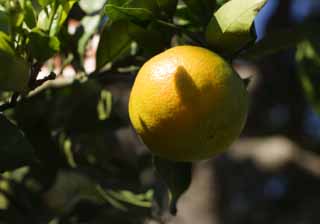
(96, 169)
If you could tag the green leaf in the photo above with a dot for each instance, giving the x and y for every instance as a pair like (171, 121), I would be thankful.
(14, 75)
(52, 17)
(104, 105)
(133, 14)
(15, 150)
(149, 38)
(201, 9)
(105, 195)
(230, 28)
(176, 175)
(41, 46)
(91, 6)
(168, 6)
(308, 64)
(45, 2)
(151, 5)
(4, 22)
(30, 15)
(114, 41)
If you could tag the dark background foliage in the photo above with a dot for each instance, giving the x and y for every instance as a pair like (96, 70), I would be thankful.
(69, 155)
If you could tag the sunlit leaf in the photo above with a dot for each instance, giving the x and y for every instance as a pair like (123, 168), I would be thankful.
(45, 2)
(168, 6)
(134, 14)
(140, 200)
(138, 11)
(230, 27)
(104, 105)
(151, 38)
(5, 44)
(4, 22)
(4, 189)
(30, 15)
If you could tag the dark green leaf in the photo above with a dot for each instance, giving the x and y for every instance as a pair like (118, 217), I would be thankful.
(5, 44)
(14, 75)
(201, 9)
(54, 15)
(4, 22)
(15, 150)
(151, 5)
(177, 176)
(168, 6)
(30, 15)
(41, 46)
(133, 14)
(230, 28)
(114, 41)
(140, 200)
(149, 38)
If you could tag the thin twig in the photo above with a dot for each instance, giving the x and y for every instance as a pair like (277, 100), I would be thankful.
(39, 82)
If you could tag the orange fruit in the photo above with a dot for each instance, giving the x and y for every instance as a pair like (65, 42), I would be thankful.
(187, 104)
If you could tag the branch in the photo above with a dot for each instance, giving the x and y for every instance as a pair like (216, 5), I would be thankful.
(39, 82)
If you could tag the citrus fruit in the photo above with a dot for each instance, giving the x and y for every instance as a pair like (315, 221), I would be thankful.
(187, 104)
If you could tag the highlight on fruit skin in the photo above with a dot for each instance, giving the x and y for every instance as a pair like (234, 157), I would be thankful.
(188, 104)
